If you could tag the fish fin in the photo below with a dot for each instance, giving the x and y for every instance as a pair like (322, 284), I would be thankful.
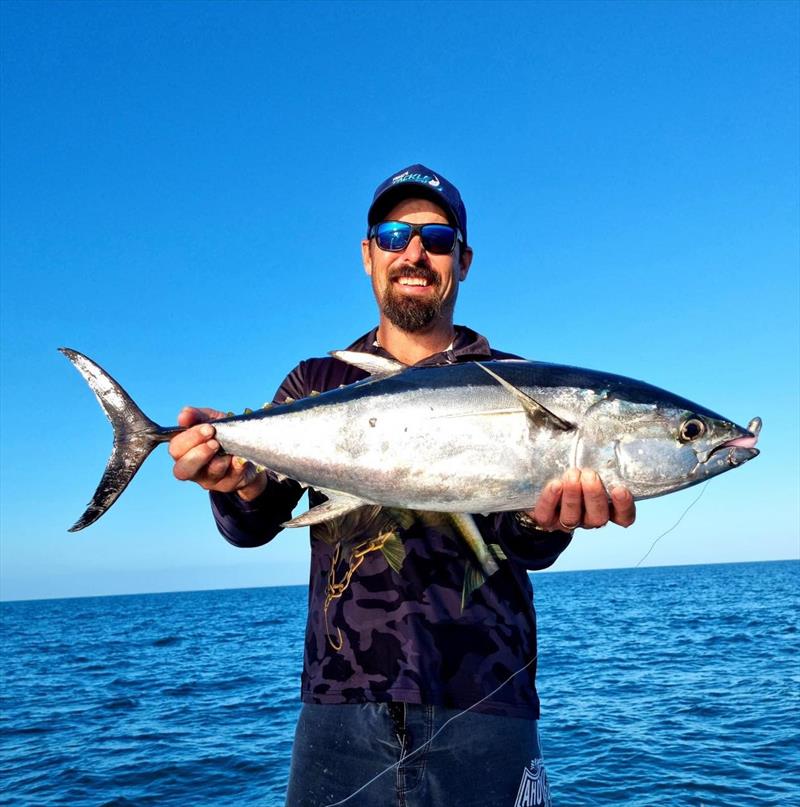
(353, 526)
(394, 552)
(337, 505)
(474, 578)
(135, 436)
(465, 524)
(402, 518)
(376, 366)
(539, 414)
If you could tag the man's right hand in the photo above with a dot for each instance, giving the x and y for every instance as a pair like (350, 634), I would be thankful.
(196, 456)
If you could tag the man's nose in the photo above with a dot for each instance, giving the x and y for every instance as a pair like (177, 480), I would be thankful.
(415, 251)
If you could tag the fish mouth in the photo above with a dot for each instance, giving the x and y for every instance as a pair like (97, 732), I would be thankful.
(740, 449)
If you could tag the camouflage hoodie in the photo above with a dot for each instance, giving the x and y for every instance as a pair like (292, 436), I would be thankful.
(389, 618)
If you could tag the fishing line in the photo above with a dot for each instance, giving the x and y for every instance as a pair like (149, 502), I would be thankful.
(447, 722)
(441, 728)
(667, 532)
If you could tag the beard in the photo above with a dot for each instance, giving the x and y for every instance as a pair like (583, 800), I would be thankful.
(410, 313)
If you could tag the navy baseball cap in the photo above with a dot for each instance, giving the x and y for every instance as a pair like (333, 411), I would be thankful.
(418, 181)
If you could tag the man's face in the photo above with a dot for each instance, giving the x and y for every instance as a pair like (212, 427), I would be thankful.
(414, 288)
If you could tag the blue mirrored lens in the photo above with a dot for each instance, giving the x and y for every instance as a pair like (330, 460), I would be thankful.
(393, 235)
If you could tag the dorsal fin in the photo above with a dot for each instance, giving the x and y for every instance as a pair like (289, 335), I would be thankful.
(539, 415)
(376, 366)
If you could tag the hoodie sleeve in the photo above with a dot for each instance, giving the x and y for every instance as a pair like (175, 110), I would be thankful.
(532, 548)
(255, 523)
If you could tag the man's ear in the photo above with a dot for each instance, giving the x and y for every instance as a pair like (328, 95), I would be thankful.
(464, 262)
(366, 258)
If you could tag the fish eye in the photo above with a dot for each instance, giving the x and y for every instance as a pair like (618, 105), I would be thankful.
(691, 429)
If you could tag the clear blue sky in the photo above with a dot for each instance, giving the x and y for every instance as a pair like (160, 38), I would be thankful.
(184, 188)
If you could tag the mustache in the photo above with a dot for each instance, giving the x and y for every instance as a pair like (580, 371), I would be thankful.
(413, 270)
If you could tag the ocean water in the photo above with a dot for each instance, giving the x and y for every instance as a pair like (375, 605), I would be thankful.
(660, 686)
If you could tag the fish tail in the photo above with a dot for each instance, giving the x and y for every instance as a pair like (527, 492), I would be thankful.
(135, 436)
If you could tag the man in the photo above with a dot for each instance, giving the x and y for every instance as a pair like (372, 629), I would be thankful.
(397, 643)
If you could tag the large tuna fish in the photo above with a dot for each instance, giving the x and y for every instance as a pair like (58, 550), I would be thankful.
(465, 438)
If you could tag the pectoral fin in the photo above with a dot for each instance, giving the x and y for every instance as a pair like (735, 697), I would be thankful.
(376, 366)
(539, 415)
(474, 578)
(469, 531)
(394, 552)
(337, 505)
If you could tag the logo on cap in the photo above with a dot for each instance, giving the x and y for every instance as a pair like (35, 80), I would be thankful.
(422, 179)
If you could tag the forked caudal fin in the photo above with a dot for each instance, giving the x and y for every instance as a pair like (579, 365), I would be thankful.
(135, 436)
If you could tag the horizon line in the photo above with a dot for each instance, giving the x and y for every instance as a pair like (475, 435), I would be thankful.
(305, 585)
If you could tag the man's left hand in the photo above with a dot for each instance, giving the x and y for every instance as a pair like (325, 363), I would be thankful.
(579, 499)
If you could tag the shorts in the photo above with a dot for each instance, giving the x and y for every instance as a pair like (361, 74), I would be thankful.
(382, 755)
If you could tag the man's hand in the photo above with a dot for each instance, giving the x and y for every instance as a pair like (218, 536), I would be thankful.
(579, 499)
(196, 456)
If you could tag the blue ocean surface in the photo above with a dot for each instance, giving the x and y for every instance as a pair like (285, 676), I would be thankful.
(660, 686)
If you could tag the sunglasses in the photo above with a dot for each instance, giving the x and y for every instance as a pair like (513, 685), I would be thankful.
(394, 236)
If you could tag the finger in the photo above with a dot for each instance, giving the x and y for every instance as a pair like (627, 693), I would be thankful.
(194, 461)
(190, 415)
(212, 414)
(545, 514)
(254, 486)
(239, 474)
(191, 438)
(595, 500)
(245, 470)
(623, 507)
(218, 467)
(571, 499)
(253, 481)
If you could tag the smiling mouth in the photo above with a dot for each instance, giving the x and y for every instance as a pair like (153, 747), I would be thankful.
(414, 277)
(412, 281)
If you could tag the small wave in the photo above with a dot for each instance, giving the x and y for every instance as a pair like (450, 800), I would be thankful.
(243, 681)
(180, 690)
(25, 730)
(212, 686)
(121, 703)
(125, 682)
(167, 641)
(149, 736)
